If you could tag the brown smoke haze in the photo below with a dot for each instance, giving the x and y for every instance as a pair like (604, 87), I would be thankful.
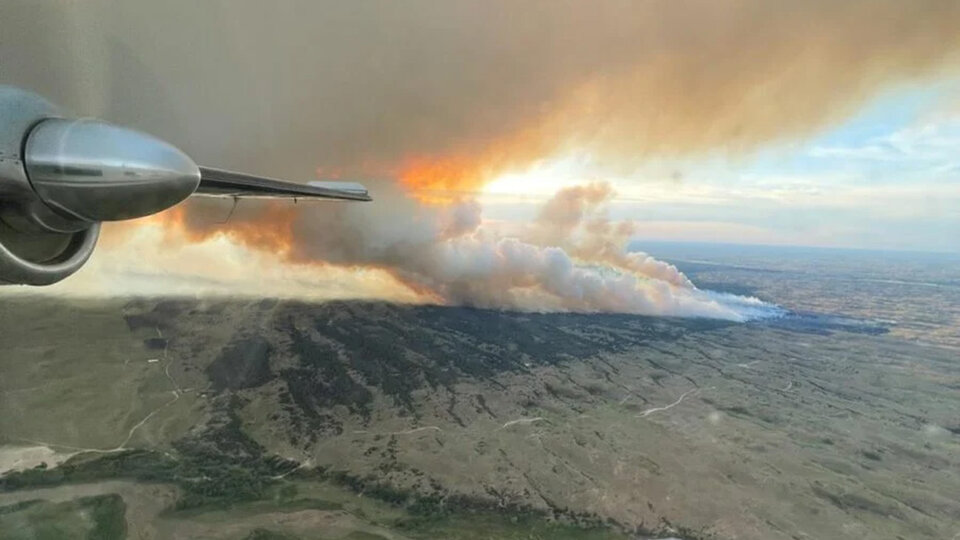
(440, 97)
(462, 89)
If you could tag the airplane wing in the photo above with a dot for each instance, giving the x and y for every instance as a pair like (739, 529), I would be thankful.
(220, 183)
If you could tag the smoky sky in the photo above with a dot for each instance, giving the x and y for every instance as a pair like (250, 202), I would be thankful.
(355, 88)
(457, 92)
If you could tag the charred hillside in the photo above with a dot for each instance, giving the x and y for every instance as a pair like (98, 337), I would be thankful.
(343, 353)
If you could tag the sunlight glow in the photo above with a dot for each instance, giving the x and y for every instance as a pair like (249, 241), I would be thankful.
(543, 178)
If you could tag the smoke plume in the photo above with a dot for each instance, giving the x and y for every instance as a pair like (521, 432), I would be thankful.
(572, 258)
(441, 97)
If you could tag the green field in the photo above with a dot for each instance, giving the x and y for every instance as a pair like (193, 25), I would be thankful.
(93, 518)
(82, 379)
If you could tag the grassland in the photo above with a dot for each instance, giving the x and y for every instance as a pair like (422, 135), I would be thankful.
(352, 420)
(100, 517)
(76, 377)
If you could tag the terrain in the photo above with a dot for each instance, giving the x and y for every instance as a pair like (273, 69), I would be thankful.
(280, 419)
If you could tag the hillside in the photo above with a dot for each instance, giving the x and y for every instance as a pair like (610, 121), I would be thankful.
(759, 430)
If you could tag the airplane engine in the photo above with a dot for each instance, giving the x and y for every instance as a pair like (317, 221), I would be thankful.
(60, 177)
(43, 258)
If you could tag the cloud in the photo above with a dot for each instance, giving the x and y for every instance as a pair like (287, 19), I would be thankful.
(933, 142)
(437, 98)
(445, 94)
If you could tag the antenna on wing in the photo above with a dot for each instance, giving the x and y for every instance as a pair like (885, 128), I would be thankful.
(236, 201)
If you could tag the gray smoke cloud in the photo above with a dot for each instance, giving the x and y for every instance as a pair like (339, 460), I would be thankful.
(296, 89)
(287, 87)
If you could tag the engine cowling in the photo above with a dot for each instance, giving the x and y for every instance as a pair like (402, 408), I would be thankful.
(60, 177)
(43, 258)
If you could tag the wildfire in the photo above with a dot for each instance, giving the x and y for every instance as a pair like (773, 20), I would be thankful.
(443, 180)
(266, 226)
(458, 173)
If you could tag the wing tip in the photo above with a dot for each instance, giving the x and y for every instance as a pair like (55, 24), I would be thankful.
(355, 188)
(219, 182)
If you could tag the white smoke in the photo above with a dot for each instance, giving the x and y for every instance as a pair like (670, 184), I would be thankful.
(572, 258)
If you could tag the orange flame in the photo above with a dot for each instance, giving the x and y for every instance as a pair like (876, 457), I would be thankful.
(441, 180)
(269, 230)
(448, 177)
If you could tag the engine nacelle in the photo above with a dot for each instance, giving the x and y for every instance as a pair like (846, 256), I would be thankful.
(60, 177)
(43, 258)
